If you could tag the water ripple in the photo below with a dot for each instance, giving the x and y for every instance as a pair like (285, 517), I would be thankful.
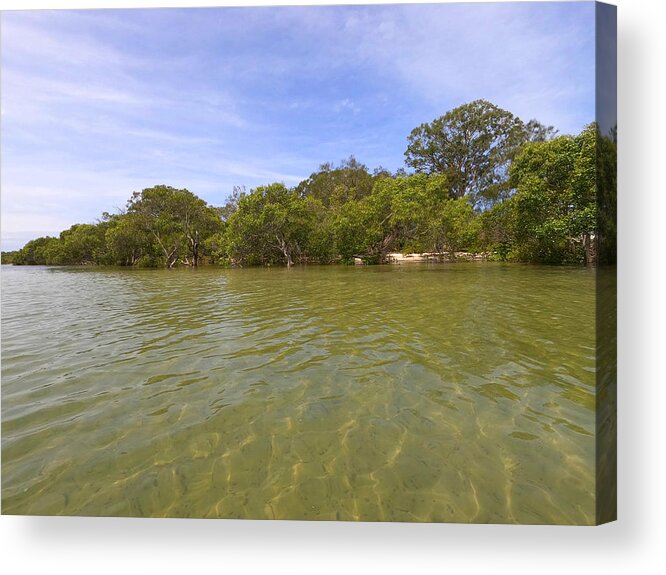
(424, 393)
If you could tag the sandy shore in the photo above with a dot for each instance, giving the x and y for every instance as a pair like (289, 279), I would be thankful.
(399, 258)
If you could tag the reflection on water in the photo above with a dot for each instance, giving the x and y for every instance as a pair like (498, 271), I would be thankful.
(460, 393)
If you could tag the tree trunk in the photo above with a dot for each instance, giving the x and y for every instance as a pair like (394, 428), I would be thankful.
(172, 258)
(385, 244)
(168, 255)
(284, 248)
(590, 248)
(194, 241)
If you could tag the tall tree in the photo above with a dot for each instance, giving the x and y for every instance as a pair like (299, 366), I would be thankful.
(231, 205)
(473, 145)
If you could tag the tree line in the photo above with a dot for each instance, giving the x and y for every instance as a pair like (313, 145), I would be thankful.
(482, 181)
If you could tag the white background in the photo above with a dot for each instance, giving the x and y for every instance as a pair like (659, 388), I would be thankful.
(634, 544)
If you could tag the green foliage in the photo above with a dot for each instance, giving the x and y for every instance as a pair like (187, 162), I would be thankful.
(349, 230)
(606, 181)
(82, 244)
(484, 182)
(395, 216)
(162, 226)
(126, 243)
(217, 248)
(176, 221)
(554, 208)
(270, 226)
(320, 244)
(40, 251)
(335, 186)
(454, 227)
(8, 257)
(472, 145)
(495, 230)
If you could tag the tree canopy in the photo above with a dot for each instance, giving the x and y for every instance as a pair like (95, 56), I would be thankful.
(473, 145)
(484, 182)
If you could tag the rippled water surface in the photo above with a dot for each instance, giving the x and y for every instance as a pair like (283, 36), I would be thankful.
(459, 392)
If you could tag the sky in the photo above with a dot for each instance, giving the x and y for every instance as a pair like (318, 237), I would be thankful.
(96, 104)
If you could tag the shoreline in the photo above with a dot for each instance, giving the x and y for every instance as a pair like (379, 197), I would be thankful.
(434, 257)
(398, 258)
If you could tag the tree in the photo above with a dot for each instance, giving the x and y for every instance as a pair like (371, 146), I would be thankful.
(535, 131)
(8, 257)
(453, 227)
(335, 186)
(320, 243)
(127, 244)
(413, 202)
(554, 208)
(472, 145)
(496, 229)
(41, 251)
(231, 205)
(394, 216)
(606, 181)
(535, 195)
(177, 220)
(271, 225)
(217, 248)
(350, 230)
(82, 244)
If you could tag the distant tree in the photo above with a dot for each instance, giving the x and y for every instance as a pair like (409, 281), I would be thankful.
(82, 244)
(231, 205)
(473, 145)
(350, 230)
(554, 208)
(535, 131)
(536, 197)
(127, 244)
(217, 247)
(453, 227)
(319, 245)
(334, 186)
(496, 230)
(8, 257)
(177, 220)
(381, 171)
(41, 251)
(271, 225)
(394, 216)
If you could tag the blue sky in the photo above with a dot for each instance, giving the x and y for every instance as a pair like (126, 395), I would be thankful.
(99, 103)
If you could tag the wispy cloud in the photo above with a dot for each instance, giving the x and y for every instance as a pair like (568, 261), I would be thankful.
(97, 104)
(347, 105)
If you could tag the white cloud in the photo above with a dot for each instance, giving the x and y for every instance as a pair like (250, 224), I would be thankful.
(347, 105)
(98, 104)
(492, 51)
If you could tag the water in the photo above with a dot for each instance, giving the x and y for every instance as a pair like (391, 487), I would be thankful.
(460, 393)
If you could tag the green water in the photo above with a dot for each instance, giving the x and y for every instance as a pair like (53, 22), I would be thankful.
(461, 393)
